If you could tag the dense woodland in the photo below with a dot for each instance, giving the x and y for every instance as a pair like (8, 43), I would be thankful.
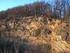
(60, 9)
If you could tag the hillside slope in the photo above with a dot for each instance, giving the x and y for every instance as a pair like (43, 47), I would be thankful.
(35, 35)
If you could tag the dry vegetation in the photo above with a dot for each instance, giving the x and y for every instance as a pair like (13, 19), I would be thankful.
(36, 28)
(35, 35)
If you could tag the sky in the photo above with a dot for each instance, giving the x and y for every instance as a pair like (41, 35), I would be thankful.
(6, 4)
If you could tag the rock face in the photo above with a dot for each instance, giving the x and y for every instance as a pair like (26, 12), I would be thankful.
(34, 35)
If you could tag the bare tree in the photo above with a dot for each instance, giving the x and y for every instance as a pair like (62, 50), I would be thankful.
(61, 8)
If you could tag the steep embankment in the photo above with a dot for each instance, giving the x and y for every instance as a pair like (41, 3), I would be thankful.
(39, 34)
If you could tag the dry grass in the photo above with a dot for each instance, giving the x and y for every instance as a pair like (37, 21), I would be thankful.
(35, 35)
